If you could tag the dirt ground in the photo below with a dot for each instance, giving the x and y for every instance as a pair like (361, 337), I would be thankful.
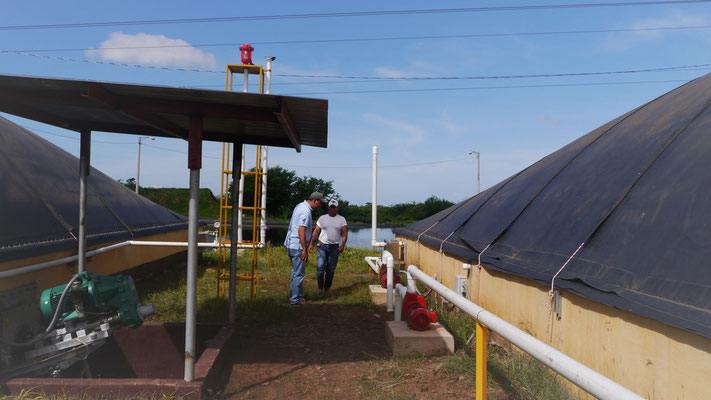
(331, 351)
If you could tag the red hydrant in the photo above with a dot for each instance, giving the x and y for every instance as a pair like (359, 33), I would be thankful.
(415, 312)
(384, 277)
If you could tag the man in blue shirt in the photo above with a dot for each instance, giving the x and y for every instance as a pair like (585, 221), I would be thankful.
(296, 244)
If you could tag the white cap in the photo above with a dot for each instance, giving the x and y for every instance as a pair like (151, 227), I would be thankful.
(333, 202)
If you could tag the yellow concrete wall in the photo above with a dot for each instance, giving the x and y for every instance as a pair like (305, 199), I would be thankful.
(653, 359)
(105, 263)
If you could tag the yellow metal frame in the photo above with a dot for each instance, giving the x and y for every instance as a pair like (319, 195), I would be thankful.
(223, 273)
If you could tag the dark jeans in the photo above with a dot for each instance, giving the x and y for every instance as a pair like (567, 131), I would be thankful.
(326, 264)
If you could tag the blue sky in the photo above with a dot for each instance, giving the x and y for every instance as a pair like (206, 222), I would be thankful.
(414, 130)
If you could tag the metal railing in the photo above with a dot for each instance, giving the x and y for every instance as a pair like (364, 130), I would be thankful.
(584, 377)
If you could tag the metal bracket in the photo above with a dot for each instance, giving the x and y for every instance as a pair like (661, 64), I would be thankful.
(557, 304)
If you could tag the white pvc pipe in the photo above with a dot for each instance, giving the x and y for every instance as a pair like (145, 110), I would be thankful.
(411, 286)
(240, 202)
(586, 378)
(263, 212)
(390, 265)
(372, 263)
(48, 264)
(400, 292)
(374, 203)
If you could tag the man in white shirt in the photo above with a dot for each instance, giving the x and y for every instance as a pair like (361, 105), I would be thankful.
(332, 233)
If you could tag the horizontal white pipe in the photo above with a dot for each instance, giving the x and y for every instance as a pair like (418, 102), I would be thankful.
(375, 243)
(372, 262)
(586, 378)
(65, 260)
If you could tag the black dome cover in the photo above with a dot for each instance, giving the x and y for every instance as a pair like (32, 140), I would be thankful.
(39, 200)
(636, 192)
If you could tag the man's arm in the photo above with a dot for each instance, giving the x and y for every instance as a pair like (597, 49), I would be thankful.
(344, 238)
(302, 240)
(314, 237)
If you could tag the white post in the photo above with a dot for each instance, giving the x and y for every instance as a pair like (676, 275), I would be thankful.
(374, 203)
(390, 265)
(240, 201)
(265, 162)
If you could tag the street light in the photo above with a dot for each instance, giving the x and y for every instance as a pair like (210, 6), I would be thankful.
(478, 170)
(138, 167)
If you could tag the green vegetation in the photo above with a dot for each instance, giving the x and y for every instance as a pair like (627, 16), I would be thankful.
(286, 189)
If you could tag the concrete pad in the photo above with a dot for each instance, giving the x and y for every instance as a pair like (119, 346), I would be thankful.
(378, 295)
(405, 341)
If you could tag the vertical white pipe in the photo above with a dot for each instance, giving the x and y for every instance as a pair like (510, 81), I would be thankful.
(191, 285)
(246, 80)
(399, 295)
(390, 264)
(265, 162)
(263, 218)
(240, 201)
(374, 200)
(411, 286)
(84, 167)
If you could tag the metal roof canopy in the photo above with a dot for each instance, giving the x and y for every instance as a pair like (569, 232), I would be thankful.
(236, 117)
(194, 115)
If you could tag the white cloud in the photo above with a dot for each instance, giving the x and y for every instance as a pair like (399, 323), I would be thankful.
(626, 40)
(127, 48)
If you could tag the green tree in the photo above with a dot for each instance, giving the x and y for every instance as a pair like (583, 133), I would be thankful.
(285, 190)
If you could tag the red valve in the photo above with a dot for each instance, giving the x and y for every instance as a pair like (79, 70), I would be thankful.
(415, 312)
(384, 277)
(246, 50)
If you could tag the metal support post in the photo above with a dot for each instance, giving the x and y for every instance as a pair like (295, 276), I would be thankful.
(236, 179)
(84, 167)
(482, 338)
(194, 164)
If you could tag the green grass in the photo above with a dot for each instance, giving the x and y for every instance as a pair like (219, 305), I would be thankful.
(166, 289)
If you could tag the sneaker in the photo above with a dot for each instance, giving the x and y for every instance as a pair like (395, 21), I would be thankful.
(301, 301)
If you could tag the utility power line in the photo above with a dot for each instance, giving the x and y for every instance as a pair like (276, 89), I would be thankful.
(347, 14)
(385, 79)
(372, 39)
(490, 87)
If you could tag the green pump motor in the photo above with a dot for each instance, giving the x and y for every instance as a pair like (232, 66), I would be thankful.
(92, 295)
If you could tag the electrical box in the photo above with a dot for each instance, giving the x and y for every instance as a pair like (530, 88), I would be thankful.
(397, 250)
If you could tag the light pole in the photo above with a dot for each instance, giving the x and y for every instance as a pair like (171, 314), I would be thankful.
(478, 170)
(138, 167)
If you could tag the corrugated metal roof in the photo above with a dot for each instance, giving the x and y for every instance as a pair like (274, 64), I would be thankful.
(237, 117)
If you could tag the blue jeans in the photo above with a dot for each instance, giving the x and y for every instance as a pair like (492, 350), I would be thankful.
(298, 271)
(327, 258)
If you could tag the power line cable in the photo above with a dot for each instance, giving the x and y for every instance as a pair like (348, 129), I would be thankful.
(381, 166)
(489, 87)
(348, 14)
(380, 78)
(373, 39)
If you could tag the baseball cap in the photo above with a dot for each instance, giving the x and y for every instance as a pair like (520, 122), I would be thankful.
(333, 203)
(316, 195)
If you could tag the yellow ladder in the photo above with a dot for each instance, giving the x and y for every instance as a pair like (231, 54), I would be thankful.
(227, 170)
